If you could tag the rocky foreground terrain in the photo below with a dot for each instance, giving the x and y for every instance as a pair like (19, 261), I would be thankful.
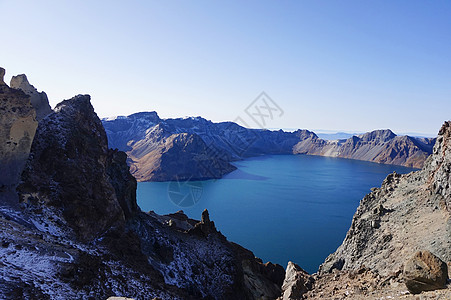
(71, 227)
(195, 148)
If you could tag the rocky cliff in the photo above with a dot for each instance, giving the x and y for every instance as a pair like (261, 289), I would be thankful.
(148, 140)
(68, 167)
(39, 100)
(78, 232)
(407, 213)
(17, 129)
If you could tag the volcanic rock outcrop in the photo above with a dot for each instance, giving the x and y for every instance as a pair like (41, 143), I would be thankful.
(408, 213)
(195, 148)
(297, 282)
(39, 100)
(17, 129)
(68, 169)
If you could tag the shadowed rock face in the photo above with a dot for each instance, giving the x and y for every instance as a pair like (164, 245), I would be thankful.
(406, 214)
(39, 101)
(68, 167)
(2, 76)
(122, 181)
(17, 129)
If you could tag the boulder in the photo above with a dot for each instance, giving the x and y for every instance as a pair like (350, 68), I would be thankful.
(425, 272)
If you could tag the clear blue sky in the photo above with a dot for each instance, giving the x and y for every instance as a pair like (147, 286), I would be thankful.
(338, 65)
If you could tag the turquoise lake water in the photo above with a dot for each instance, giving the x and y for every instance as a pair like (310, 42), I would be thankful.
(281, 207)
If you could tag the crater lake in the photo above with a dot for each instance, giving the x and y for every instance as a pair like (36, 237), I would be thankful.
(281, 207)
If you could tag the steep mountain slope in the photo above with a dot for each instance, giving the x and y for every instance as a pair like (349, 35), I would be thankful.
(181, 156)
(209, 147)
(79, 233)
(407, 213)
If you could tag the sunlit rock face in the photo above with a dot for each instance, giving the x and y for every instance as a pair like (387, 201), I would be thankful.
(17, 129)
(39, 100)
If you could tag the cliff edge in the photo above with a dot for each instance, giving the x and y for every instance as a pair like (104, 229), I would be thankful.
(407, 213)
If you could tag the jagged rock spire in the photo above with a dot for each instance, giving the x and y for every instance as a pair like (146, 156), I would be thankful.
(205, 217)
(39, 100)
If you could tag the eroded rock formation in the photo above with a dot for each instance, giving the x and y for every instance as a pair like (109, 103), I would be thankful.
(39, 100)
(68, 169)
(17, 129)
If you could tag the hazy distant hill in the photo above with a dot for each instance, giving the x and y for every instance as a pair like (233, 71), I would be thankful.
(335, 136)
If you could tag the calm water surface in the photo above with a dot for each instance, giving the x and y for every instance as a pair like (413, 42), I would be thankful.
(282, 207)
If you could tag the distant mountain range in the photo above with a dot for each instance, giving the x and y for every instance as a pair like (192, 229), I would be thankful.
(195, 148)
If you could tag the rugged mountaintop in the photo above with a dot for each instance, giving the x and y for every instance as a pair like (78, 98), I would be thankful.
(78, 232)
(18, 127)
(147, 140)
(39, 100)
(68, 168)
